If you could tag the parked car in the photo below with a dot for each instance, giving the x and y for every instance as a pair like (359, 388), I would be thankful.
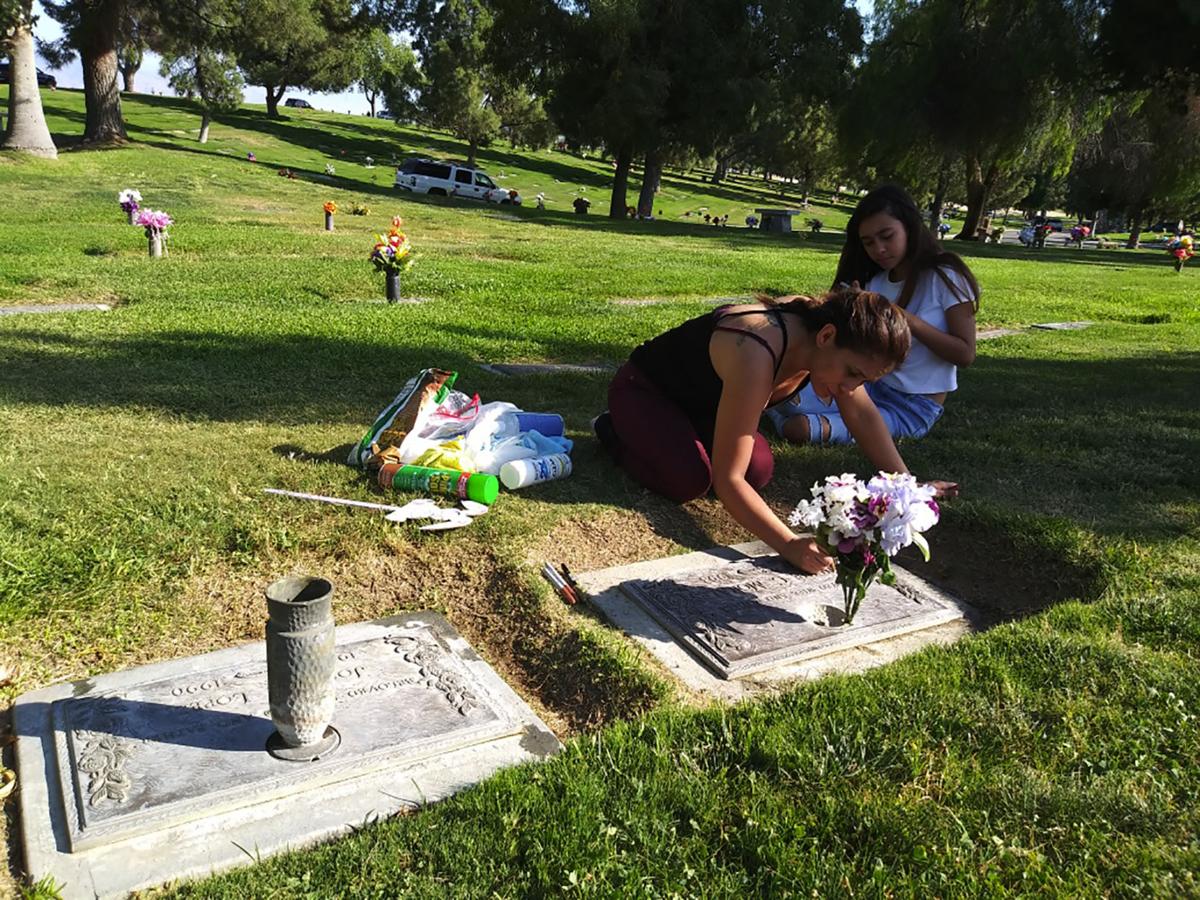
(44, 79)
(450, 179)
(297, 103)
(1056, 225)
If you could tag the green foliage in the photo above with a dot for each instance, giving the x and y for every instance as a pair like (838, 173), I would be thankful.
(12, 14)
(470, 86)
(297, 43)
(1002, 85)
(388, 69)
(1153, 47)
(1143, 161)
(212, 77)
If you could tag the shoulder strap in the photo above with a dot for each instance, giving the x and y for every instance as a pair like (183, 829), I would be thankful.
(777, 359)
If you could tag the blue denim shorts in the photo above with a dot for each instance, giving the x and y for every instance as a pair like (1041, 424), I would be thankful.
(906, 415)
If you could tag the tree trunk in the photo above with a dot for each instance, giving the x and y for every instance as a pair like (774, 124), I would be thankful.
(616, 206)
(27, 129)
(721, 171)
(205, 121)
(128, 75)
(978, 187)
(1135, 230)
(651, 175)
(472, 152)
(273, 98)
(939, 197)
(371, 97)
(102, 95)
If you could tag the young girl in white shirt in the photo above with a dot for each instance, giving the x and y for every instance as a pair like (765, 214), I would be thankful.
(890, 251)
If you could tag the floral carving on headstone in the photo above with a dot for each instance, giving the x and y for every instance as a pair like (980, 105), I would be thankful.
(103, 758)
(431, 664)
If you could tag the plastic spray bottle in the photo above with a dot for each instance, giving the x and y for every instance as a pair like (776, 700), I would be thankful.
(477, 486)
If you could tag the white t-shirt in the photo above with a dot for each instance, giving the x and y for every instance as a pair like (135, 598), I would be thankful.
(923, 371)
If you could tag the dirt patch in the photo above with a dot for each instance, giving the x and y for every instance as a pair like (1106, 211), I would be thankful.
(492, 603)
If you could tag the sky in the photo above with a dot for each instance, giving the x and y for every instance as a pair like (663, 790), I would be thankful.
(148, 80)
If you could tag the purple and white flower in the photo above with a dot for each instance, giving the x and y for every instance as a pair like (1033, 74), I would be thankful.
(864, 524)
(129, 199)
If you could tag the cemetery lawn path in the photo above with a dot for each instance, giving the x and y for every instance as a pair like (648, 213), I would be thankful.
(1057, 753)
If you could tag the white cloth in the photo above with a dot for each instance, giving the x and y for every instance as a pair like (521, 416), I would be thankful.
(923, 371)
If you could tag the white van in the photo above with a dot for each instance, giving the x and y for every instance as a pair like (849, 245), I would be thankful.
(447, 179)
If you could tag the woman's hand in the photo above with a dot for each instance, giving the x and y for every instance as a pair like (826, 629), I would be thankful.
(807, 555)
(943, 489)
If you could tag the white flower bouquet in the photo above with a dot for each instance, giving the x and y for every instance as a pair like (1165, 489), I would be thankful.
(865, 524)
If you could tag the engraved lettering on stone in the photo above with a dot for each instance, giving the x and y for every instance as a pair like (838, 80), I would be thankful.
(430, 662)
(103, 759)
(750, 615)
(218, 701)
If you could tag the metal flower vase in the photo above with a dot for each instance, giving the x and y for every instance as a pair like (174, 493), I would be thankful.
(393, 287)
(156, 244)
(300, 666)
(130, 213)
(329, 221)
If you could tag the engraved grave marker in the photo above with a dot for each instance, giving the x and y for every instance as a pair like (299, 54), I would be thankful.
(156, 773)
(742, 615)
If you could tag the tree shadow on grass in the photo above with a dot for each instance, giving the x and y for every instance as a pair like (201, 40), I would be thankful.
(1046, 437)
(1116, 259)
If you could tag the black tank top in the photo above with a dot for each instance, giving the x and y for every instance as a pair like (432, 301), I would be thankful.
(678, 363)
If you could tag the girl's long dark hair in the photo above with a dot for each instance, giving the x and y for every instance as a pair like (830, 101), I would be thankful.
(924, 252)
(865, 321)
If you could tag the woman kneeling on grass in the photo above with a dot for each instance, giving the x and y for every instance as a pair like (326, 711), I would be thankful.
(684, 410)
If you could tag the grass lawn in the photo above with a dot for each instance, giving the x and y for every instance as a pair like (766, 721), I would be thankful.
(1057, 753)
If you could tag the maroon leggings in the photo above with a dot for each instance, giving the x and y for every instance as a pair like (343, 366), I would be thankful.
(661, 447)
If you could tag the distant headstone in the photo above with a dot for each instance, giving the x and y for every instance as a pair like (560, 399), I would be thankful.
(714, 301)
(1062, 326)
(988, 334)
(53, 308)
(162, 772)
(545, 369)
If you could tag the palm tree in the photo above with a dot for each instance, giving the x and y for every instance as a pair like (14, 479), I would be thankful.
(27, 129)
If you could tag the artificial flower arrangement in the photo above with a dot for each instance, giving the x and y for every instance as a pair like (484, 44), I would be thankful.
(330, 207)
(865, 524)
(360, 209)
(392, 252)
(130, 201)
(392, 255)
(1183, 250)
(287, 173)
(329, 169)
(156, 223)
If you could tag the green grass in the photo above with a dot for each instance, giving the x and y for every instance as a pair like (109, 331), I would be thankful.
(1055, 754)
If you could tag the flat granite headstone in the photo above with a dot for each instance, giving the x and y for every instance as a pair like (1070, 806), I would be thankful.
(544, 369)
(161, 772)
(24, 308)
(741, 612)
(714, 301)
(1062, 326)
(988, 334)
